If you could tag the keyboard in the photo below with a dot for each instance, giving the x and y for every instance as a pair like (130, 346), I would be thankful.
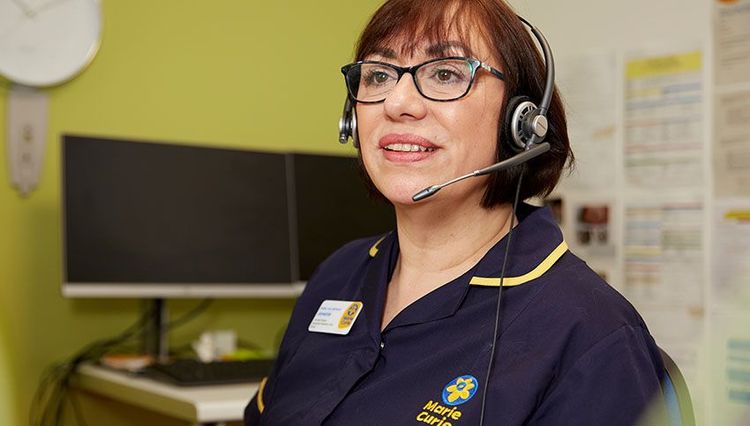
(190, 372)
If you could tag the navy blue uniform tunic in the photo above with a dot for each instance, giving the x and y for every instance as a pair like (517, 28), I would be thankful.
(571, 351)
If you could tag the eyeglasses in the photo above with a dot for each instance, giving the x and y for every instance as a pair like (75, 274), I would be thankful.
(442, 79)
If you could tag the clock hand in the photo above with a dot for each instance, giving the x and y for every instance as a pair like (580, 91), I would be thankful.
(46, 6)
(24, 7)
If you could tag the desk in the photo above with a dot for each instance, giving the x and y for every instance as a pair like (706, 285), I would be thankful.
(205, 405)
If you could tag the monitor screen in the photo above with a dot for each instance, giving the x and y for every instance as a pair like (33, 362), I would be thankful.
(332, 208)
(166, 220)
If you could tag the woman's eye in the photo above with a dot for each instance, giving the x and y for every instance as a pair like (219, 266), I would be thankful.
(444, 75)
(377, 77)
(380, 77)
(449, 75)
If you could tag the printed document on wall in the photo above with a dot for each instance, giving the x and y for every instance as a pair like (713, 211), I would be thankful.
(587, 84)
(732, 41)
(731, 277)
(591, 232)
(679, 331)
(663, 251)
(663, 138)
(664, 268)
(730, 369)
(732, 144)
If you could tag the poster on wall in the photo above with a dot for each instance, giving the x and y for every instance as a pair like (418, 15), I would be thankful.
(732, 144)
(593, 227)
(590, 232)
(587, 84)
(730, 284)
(664, 269)
(663, 253)
(663, 120)
(730, 368)
(732, 41)
(679, 331)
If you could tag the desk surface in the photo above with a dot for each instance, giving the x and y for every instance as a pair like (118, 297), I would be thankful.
(203, 404)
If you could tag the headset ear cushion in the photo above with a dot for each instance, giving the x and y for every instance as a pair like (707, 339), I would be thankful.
(354, 131)
(348, 124)
(508, 139)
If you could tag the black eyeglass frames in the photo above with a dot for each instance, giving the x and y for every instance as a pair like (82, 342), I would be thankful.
(441, 79)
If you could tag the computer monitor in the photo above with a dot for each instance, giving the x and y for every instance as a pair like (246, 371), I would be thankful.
(157, 220)
(332, 208)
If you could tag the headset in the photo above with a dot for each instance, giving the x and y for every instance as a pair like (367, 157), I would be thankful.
(525, 124)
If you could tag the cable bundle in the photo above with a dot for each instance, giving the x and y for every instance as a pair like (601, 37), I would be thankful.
(48, 405)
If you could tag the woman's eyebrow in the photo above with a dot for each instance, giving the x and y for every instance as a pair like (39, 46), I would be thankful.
(443, 48)
(384, 52)
(438, 49)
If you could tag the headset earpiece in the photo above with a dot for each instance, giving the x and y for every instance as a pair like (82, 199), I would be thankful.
(513, 135)
(524, 125)
(348, 124)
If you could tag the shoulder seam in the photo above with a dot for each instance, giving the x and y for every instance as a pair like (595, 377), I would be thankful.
(599, 342)
(541, 285)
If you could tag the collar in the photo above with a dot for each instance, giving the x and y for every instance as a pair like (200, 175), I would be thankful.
(535, 273)
(440, 303)
(537, 244)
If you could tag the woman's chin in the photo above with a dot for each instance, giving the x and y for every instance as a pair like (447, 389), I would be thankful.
(401, 195)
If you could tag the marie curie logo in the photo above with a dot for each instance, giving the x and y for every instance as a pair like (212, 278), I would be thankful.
(460, 390)
(349, 315)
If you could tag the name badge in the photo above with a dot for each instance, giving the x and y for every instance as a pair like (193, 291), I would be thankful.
(335, 317)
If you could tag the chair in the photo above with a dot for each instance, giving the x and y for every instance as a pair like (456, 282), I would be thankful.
(676, 394)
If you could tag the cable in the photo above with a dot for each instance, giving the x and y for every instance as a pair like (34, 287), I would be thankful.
(77, 410)
(495, 336)
(48, 403)
(190, 315)
(50, 395)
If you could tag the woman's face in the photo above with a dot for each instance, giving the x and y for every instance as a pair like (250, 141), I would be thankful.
(460, 136)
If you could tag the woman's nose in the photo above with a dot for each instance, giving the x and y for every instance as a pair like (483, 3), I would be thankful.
(405, 101)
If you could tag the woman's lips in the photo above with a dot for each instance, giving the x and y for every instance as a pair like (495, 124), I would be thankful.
(401, 148)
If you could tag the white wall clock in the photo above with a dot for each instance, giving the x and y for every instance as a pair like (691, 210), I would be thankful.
(43, 43)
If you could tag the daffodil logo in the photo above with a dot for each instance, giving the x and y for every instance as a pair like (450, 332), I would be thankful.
(350, 314)
(460, 390)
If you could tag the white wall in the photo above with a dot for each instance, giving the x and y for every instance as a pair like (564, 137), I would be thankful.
(578, 27)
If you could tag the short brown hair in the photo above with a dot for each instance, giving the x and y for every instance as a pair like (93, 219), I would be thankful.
(520, 61)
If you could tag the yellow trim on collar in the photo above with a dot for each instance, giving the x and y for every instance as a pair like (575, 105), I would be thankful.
(532, 275)
(374, 248)
(262, 386)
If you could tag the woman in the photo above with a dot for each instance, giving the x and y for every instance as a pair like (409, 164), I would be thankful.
(399, 329)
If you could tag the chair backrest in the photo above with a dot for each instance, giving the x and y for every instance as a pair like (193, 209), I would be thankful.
(679, 404)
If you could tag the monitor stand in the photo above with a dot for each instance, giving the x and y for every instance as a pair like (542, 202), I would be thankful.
(156, 333)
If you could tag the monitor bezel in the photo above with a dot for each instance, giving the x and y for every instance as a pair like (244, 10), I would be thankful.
(124, 290)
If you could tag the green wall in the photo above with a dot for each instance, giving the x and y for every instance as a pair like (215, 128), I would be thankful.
(7, 411)
(236, 73)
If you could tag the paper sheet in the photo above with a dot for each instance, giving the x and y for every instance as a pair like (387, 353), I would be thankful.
(663, 251)
(663, 138)
(590, 232)
(587, 84)
(591, 226)
(678, 331)
(731, 257)
(730, 369)
(732, 144)
(732, 41)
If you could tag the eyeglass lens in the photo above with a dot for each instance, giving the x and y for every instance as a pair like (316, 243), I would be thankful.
(440, 80)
